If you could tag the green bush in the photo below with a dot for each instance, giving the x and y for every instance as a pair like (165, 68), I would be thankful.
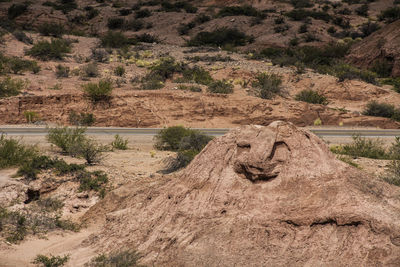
(16, 10)
(115, 23)
(18, 65)
(347, 72)
(268, 85)
(187, 142)
(311, 96)
(362, 10)
(92, 181)
(13, 153)
(376, 109)
(368, 28)
(62, 71)
(115, 40)
(65, 137)
(170, 138)
(393, 173)
(166, 68)
(31, 116)
(90, 150)
(45, 50)
(119, 71)
(125, 258)
(178, 6)
(64, 6)
(221, 37)
(390, 14)
(362, 147)
(220, 87)
(91, 70)
(22, 37)
(147, 38)
(119, 143)
(192, 88)
(10, 87)
(197, 74)
(301, 14)
(52, 29)
(51, 261)
(142, 13)
(33, 166)
(395, 82)
(100, 91)
(382, 67)
(82, 119)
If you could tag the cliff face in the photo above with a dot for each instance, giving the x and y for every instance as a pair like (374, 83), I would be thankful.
(382, 44)
(258, 196)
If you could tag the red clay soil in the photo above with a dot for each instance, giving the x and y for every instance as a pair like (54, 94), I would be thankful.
(258, 196)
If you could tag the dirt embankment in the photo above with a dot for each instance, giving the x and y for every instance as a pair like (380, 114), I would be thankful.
(168, 107)
(258, 196)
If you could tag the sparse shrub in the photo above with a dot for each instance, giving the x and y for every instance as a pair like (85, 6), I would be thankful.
(362, 10)
(376, 109)
(92, 181)
(301, 3)
(220, 87)
(147, 38)
(65, 137)
(125, 11)
(382, 67)
(220, 37)
(368, 28)
(268, 85)
(16, 10)
(346, 72)
(279, 20)
(18, 65)
(51, 261)
(202, 18)
(127, 258)
(52, 29)
(192, 88)
(45, 50)
(395, 82)
(13, 153)
(135, 25)
(390, 14)
(196, 74)
(303, 28)
(362, 147)
(82, 119)
(91, 70)
(311, 96)
(91, 12)
(184, 29)
(31, 116)
(50, 204)
(10, 87)
(301, 14)
(189, 146)
(165, 68)
(62, 71)
(152, 82)
(119, 71)
(115, 23)
(64, 6)
(331, 30)
(100, 91)
(142, 13)
(245, 10)
(114, 40)
(22, 37)
(100, 55)
(281, 28)
(119, 143)
(90, 150)
(393, 173)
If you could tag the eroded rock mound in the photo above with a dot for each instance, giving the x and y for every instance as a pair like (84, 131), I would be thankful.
(258, 196)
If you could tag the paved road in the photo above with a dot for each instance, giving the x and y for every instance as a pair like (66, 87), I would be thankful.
(321, 132)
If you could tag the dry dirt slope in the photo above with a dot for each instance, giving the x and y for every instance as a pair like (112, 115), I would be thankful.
(258, 196)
